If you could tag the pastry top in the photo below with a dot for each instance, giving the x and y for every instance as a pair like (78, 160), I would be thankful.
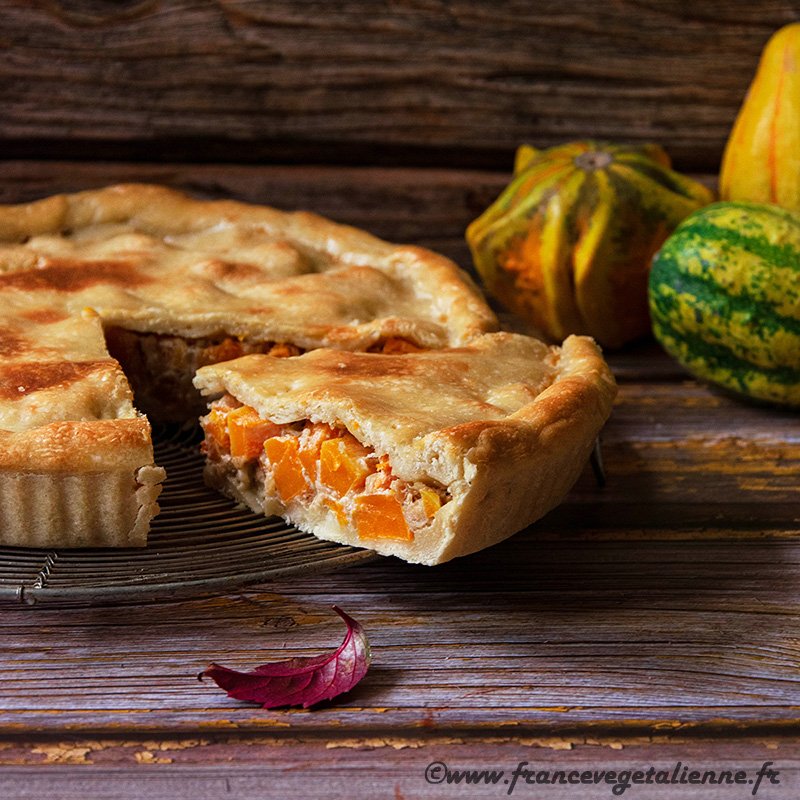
(152, 259)
(55, 367)
(436, 413)
(65, 405)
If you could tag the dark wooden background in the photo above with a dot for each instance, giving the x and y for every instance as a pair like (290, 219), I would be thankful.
(411, 82)
(654, 621)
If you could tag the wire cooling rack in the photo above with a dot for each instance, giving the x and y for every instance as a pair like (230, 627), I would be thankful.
(200, 543)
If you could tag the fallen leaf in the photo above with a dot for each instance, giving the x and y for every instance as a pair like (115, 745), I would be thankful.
(300, 681)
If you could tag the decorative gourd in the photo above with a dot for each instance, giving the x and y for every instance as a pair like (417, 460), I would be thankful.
(568, 243)
(762, 158)
(725, 298)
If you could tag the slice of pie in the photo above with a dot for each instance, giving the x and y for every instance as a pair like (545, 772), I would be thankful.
(145, 281)
(426, 457)
(76, 459)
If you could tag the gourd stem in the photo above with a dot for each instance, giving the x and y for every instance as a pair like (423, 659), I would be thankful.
(593, 160)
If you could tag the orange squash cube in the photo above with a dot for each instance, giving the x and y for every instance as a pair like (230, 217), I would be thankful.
(431, 501)
(341, 464)
(337, 510)
(396, 346)
(284, 350)
(288, 474)
(310, 451)
(247, 432)
(380, 516)
(309, 456)
(226, 350)
(276, 448)
(216, 428)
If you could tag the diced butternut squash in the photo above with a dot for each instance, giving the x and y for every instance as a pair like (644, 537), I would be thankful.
(396, 346)
(276, 448)
(284, 350)
(226, 350)
(248, 431)
(431, 501)
(288, 474)
(216, 428)
(380, 516)
(309, 457)
(341, 464)
(337, 509)
(318, 433)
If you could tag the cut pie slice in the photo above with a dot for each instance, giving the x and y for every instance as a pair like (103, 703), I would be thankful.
(426, 457)
(76, 459)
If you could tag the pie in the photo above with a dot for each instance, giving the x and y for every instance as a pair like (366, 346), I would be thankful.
(426, 457)
(134, 287)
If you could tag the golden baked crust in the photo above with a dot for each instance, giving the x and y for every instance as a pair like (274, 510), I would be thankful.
(148, 258)
(152, 260)
(504, 423)
(76, 460)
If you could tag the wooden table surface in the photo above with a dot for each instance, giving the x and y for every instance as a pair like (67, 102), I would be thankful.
(650, 622)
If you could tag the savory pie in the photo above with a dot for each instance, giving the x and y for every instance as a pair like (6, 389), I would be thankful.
(76, 459)
(152, 280)
(426, 457)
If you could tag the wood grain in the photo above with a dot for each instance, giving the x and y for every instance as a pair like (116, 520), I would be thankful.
(432, 83)
(374, 768)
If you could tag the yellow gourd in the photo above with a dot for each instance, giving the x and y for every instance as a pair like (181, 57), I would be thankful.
(762, 158)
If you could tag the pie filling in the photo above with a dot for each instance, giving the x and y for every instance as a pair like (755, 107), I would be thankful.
(160, 367)
(306, 462)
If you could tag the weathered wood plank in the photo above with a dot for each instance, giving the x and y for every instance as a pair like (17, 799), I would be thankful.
(542, 635)
(383, 768)
(367, 82)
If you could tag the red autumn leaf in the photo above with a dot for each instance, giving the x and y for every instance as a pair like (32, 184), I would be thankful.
(300, 681)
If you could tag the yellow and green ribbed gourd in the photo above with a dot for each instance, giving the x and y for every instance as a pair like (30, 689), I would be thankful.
(725, 298)
(761, 162)
(568, 244)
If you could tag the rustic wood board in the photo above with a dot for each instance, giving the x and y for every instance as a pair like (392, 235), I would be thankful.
(262, 767)
(664, 607)
(433, 83)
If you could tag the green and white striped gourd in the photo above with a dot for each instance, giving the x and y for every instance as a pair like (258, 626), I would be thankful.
(724, 293)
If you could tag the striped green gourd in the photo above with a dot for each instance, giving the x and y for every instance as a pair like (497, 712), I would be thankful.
(724, 295)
